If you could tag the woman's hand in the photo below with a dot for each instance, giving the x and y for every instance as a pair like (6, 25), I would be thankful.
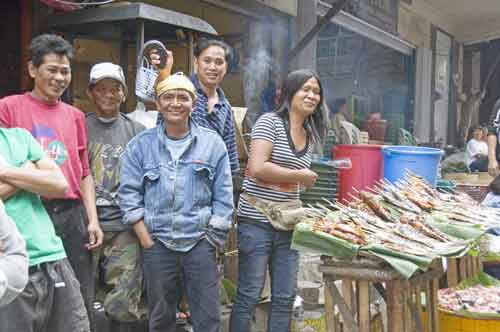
(307, 177)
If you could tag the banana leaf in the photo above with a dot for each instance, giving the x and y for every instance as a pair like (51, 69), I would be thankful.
(404, 263)
(405, 267)
(306, 238)
(455, 249)
(464, 232)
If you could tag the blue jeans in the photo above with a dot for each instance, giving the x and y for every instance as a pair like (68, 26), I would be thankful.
(164, 269)
(261, 245)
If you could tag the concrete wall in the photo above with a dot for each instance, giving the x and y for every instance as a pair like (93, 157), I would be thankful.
(415, 20)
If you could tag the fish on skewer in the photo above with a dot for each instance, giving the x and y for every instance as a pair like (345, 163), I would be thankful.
(428, 230)
(376, 207)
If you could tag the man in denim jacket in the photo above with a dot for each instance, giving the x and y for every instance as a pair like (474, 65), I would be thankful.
(176, 191)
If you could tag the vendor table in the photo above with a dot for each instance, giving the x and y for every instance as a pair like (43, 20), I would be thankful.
(403, 297)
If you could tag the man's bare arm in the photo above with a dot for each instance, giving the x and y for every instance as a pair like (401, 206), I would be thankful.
(96, 235)
(46, 179)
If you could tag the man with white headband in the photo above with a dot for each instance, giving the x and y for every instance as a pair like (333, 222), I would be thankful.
(176, 191)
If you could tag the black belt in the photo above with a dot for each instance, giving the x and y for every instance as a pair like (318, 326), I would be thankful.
(37, 268)
(58, 205)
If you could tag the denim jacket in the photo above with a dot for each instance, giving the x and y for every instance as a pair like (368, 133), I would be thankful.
(180, 201)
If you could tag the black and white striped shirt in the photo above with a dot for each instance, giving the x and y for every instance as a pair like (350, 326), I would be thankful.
(271, 127)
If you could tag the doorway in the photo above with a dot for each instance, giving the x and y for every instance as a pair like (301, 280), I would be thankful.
(10, 21)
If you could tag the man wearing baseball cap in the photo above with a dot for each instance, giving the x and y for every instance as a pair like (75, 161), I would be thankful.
(109, 132)
(176, 192)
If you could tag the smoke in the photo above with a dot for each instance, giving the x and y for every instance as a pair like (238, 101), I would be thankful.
(262, 67)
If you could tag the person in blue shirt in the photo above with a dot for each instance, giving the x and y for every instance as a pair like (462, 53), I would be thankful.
(212, 109)
(176, 192)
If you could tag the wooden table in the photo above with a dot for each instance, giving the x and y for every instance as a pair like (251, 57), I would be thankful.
(403, 297)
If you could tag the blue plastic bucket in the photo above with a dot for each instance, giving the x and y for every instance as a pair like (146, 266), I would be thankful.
(419, 160)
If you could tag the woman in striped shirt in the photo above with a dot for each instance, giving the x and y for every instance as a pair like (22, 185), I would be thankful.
(280, 157)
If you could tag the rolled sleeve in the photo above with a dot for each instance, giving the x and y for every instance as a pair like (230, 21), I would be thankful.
(222, 202)
(131, 190)
(230, 141)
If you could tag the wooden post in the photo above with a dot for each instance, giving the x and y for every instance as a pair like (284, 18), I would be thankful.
(474, 266)
(363, 290)
(394, 307)
(428, 310)
(433, 305)
(191, 52)
(452, 272)
(407, 300)
(462, 268)
(418, 305)
(26, 29)
(124, 62)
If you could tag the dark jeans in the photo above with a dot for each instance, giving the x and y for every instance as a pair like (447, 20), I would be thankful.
(163, 271)
(261, 245)
(70, 221)
(51, 302)
(479, 165)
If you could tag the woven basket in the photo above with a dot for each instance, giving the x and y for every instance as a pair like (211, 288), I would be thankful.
(477, 192)
(146, 74)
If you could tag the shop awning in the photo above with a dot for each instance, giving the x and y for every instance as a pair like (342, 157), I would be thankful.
(157, 21)
(367, 30)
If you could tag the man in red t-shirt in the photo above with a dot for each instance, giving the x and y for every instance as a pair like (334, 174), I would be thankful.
(61, 130)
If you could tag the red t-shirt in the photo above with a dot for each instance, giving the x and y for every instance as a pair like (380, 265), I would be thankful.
(60, 129)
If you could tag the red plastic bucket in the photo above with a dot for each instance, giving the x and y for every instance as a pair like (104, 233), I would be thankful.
(367, 161)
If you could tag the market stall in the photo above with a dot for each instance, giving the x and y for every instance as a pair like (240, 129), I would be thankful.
(403, 297)
(402, 231)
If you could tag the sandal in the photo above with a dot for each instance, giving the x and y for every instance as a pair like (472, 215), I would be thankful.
(181, 318)
(183, 309)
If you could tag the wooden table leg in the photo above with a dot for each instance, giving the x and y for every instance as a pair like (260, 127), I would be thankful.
(349, 322)
(394, 306)
(418, 306)
(434, 305)
(329, 306)
(363, 288)
(348, 294)
(407, 307)
(428, 307)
